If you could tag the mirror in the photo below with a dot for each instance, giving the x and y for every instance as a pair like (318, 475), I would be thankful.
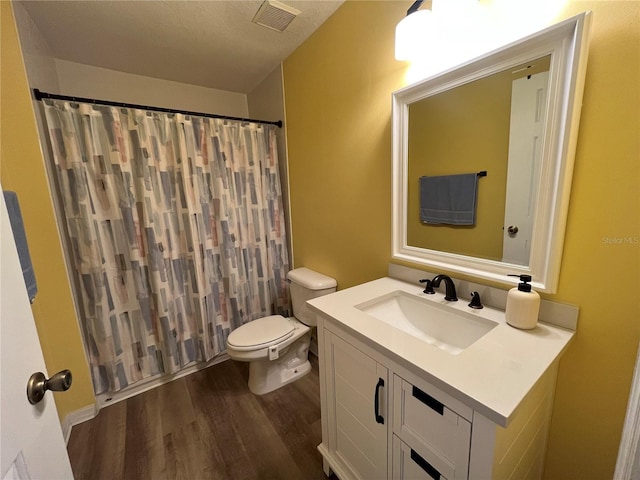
(512, 113)
(492, 124)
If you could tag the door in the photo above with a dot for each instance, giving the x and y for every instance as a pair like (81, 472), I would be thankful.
(628, 463)
(528, 112)
(31, 437)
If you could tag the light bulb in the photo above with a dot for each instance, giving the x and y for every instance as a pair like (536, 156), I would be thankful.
(412, 34)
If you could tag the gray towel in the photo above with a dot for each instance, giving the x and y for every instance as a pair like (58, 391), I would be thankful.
(448, 199)
(17, 226)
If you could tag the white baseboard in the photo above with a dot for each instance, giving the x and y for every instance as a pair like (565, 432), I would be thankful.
(104, 400)
(76, 417)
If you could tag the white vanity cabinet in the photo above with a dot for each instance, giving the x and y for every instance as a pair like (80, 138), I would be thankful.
(382, 420)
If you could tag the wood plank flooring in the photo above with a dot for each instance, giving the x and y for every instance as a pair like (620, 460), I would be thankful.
(207, 425)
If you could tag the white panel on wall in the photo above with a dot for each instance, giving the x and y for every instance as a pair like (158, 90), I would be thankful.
(81, 80)
(38, 60)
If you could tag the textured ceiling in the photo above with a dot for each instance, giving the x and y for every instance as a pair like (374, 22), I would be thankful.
(208, 43)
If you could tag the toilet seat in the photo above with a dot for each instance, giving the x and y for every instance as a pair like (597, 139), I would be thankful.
(260, 333)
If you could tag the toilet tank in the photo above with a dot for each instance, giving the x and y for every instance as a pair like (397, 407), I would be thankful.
(306, 284)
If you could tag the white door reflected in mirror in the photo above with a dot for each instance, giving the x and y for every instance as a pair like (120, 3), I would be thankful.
(528, 113)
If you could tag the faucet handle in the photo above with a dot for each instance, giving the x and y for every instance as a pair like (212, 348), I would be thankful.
(428, 289)
(475, 301)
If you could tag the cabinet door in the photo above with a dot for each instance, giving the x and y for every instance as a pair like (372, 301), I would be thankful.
(357, 409)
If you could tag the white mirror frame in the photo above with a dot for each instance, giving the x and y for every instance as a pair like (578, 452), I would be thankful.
(567, 43)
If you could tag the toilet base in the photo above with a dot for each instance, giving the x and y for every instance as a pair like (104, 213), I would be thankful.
(268, 375)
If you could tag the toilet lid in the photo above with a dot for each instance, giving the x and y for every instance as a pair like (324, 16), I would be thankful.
(261, 332)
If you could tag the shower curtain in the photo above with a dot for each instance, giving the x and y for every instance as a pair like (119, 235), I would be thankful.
(177, 233)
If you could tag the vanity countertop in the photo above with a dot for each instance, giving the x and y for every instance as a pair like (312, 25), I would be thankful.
(492, 376)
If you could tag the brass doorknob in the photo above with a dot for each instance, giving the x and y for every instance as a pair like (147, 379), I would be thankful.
(38, 384)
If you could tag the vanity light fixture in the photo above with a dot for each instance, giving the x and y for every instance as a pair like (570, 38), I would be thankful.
(413, 31)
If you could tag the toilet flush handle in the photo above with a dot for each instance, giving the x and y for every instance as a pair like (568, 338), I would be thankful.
(273, 352)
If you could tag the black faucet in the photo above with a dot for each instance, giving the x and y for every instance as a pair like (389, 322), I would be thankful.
(450, 294)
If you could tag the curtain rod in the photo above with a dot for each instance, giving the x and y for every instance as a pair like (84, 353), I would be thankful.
(44, 95)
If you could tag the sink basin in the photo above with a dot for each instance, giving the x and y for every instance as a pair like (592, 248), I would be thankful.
(439, 325)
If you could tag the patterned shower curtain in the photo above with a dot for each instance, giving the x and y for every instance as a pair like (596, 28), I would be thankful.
(177, 233)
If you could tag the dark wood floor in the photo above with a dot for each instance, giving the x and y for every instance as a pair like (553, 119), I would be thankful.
(207, 425)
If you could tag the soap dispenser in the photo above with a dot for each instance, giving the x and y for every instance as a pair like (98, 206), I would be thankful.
(523, 305)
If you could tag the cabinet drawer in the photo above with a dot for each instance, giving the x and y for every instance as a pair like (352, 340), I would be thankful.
(409, 465)
(434, 431)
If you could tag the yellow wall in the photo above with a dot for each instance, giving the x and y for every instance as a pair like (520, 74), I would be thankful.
(338, 121)
(22, 170)
(338, 87)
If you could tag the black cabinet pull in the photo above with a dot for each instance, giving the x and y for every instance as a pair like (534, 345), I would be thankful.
(428, 400)
(424, 465)
(376, 401)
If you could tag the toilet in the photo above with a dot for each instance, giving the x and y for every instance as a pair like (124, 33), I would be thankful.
(278, 347)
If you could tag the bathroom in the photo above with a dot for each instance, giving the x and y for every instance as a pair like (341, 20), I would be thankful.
(338, 86)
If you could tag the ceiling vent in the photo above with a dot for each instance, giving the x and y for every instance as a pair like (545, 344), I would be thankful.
(275, 15)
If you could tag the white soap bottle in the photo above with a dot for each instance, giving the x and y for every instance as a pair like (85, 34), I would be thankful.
(523, 305)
